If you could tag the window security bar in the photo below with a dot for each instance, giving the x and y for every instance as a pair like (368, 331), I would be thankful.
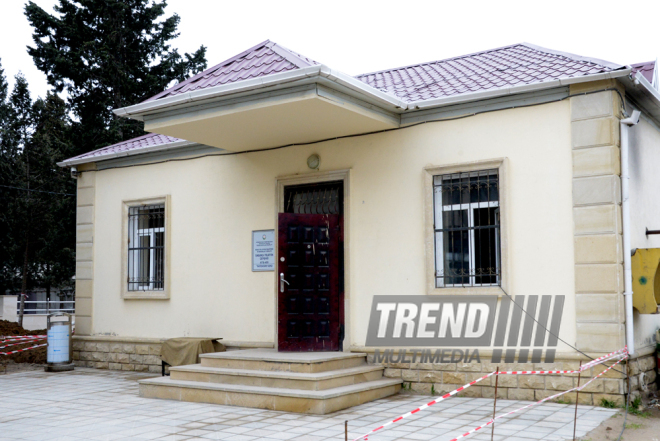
(467, 229)
(146, 248)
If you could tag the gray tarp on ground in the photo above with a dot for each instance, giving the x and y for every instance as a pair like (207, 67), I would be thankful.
(185, 350)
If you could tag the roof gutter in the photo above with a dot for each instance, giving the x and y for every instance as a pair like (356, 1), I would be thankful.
(510, 90)
(640, 80)
(156, 148)
(138, 111)
(362, 88)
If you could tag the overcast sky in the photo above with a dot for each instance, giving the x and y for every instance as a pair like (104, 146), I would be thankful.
(363, 36)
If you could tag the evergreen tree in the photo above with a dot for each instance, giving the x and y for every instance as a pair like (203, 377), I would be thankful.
(38, 216)
(19, 209)
(4, 108)
(108, 54)
(55, 238)
(7, 179)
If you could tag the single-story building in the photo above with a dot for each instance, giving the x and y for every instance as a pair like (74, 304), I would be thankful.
(274, 197)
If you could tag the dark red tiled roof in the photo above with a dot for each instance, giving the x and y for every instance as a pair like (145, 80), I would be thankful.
(266, 58)
(514, 65)
(141, 142)
(646, 69)
(518, 64)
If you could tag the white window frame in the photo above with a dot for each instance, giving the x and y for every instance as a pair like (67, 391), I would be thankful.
(439, 244)
(146, 290)
(136, 264)
(501, 164)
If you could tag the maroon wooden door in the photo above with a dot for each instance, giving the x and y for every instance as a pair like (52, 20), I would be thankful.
(309, 297)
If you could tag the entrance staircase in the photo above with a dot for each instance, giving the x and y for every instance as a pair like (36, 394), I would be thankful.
(303, 382)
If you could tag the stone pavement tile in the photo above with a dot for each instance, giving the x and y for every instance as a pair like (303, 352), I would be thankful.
(152, 435)
(108, 437)
(447, 425)
(535, 433)
(292, 423)
(214, 427)
(420, 436)
(175, 437)
(257, 425)
(300, 430)
(503, 430)
(56, 438)
(317, 425)
(282, 436)
(195, 432)
(237, 429)
(194, 425)
(483, 436)
(106, 404)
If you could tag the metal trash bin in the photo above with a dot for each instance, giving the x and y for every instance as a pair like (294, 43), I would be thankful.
(60, 349)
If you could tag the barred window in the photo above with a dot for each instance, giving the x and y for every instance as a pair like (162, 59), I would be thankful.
(467, 229)
(146, 248)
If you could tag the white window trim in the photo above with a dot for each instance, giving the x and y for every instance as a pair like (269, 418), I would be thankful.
(150, 293)
(439, 258)
(148, 232)
(429, 172)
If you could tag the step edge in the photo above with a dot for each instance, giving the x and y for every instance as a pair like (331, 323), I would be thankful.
(223, 356)
(260, 390)
(287, 375)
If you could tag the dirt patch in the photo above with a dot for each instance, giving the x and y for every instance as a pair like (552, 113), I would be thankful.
(9, 367)
(33, 356)
(645, 427)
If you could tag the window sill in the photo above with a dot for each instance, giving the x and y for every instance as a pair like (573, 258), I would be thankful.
(469, 290)
(146, 295)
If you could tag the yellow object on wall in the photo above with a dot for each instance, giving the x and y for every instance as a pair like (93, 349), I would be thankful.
(646, 280)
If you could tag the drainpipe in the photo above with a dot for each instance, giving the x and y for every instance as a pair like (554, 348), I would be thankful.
(625, 211)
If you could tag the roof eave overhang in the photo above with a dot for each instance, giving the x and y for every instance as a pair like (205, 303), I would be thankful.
(156, 148)
(327, 76)
(510, 90)
(317, 73)
(643, 95)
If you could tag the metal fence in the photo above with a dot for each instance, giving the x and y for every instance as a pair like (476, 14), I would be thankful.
(46, 307)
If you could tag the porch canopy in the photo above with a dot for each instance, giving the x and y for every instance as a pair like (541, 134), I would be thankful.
(266, 97)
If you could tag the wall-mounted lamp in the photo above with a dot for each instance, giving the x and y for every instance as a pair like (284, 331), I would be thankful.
(314, 161)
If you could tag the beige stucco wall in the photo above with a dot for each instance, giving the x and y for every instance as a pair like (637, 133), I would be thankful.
(644, 211)
(217, 201)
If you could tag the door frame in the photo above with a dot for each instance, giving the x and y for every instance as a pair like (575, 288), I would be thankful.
(315, 178)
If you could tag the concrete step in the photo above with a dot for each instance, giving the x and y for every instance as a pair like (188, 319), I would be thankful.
(271, 360)
(278, 379)
(289, 400)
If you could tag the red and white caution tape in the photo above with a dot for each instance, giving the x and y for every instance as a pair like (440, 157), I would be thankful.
(21, 350)
(619, 355)
(425, 406)
(612, 356)
(21, 337)
(23, 342)
(538, 402)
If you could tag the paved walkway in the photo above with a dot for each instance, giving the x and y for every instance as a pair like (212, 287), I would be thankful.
(89, 404)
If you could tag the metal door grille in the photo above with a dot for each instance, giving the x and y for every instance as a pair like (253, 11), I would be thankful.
(323, 198)
(146, 248)
(467, 229)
